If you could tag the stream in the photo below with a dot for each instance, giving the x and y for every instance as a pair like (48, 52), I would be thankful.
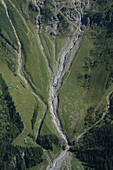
(63, 65)
(56, 80)
(55, 86)
(20, 68)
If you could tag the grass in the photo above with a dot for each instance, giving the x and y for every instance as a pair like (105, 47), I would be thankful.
(54, 154)
(49, 129)
(56, 151)
(36, 71)
(48, 48)
(41, 166)
(7, 33)
(25, 103)
(48, 126)
(34, 63)
(8, 55)
(59, 40)
(71, 102)
(23, 99)
(79, 93)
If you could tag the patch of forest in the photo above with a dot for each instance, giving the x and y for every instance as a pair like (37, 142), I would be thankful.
(96, 147)
(47, 141)
(13, 157)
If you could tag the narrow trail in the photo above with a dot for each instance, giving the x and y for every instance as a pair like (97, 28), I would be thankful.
(63, 65)
(61, 68)
(20, 68)
(20, 16)
(103, 115)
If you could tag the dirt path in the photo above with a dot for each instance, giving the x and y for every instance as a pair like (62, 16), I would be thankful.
(20, 68)
(103, 115)
(20, 16)
(63, 64)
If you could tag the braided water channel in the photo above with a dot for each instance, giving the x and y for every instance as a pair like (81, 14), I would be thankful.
(63, 65)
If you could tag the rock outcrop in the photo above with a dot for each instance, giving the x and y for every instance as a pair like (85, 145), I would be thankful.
(61, 16)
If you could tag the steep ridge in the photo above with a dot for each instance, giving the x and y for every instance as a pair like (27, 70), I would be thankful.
(38, 31)
(63, 64)
(20, 68)
(103, 116)
(95, 88)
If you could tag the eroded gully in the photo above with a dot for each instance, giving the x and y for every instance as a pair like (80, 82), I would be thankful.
(20, 67)
(63, 64)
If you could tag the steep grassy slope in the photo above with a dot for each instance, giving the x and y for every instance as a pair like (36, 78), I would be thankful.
(48, 48)
(82, 97)
(84, 93)
(21, 97)
(34, 63)
(34, 67)
(25, 102)
(86, 87)
(96, 147)
(11, 126)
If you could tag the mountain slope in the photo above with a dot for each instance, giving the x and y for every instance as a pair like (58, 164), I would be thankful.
(56, 59)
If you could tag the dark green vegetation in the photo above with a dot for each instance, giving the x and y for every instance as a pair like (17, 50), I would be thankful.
(33, 120)
(20, 150)
(96, 147)
(10, 127)
(82, 98)
(46, 141)
(7, 42)
(50, 13)
(33, 156)
(32, 11)
(63, 25)
(46, 12)
(11, 124)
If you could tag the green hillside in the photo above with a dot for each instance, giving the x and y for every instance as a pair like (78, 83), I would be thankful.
(56, 63)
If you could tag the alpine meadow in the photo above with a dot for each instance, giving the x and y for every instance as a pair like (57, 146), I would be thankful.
(56, 84)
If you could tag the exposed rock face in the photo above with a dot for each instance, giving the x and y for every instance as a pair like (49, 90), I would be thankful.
(61, 16)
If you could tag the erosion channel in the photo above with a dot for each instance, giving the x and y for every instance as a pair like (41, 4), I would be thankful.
(63, 64)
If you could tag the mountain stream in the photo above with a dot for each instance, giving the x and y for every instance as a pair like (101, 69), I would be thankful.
(63, 64)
